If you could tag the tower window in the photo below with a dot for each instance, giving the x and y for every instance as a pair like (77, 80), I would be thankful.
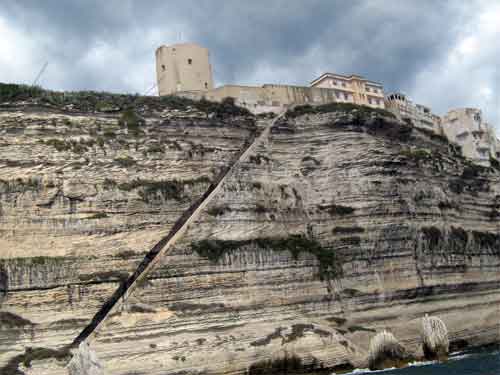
(190, 61)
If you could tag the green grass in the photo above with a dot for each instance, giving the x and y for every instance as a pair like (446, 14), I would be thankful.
(104, 102)
(98, 215)
(125, 162)
(347, 230)
(58, 144)
(417, 155)
(35, 261)
(77, 146)
(131, 120)
(337, 209)
(355, 328)
(361, 111)
(149, 190)
(155, 148)
(218, 210)
(20, 185)
(330, 265)
(10, 92)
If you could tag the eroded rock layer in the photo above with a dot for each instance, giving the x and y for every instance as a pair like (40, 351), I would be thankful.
(82, 198)
(339, 226)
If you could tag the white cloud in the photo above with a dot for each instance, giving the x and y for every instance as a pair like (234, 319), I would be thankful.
(17, 61)
(467, 76)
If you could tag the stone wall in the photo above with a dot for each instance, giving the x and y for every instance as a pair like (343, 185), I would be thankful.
(268, 98)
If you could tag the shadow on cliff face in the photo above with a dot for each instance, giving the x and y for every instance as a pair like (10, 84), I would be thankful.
(4, 283)
(292, 364)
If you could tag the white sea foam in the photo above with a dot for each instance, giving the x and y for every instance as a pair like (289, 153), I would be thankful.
(458, 356)
(360, 371)
(423, 363)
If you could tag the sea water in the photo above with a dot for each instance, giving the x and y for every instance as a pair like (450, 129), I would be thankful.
(458, 364)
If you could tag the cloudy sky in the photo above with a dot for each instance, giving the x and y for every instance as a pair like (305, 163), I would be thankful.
(441, 53)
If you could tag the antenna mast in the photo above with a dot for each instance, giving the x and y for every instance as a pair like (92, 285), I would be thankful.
(40, 73)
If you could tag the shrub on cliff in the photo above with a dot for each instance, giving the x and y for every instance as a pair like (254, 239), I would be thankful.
(130, 119)
(330, 264)
(359, 110)
(227, 107)
(109, 102)
(11, 92)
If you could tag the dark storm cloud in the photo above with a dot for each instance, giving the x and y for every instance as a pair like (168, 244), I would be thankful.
(110, 45)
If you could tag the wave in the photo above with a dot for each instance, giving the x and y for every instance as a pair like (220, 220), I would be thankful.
(361, 371)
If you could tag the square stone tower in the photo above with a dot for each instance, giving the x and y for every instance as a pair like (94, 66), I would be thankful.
(183, 67)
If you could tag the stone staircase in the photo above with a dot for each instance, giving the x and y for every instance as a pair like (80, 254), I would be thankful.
(126, 288)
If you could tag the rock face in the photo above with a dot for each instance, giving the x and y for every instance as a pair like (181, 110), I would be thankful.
(435, 343)
(341, 224)
(386, 352)
(84, 362)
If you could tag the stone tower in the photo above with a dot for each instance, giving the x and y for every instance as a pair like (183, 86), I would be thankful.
(183, 67)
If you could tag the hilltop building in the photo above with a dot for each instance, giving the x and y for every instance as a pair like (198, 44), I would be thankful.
(185, 70)
(466, 127)
(352, 89)
(183, 67)
(420, 116)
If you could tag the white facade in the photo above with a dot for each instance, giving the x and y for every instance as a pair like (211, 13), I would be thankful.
(466, 127)
(420, 115)
(352, 89)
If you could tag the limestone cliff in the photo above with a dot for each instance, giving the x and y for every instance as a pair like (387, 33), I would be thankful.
(343, 223)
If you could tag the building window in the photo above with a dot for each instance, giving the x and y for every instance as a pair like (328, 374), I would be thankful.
(369, 100)
(163, 67)
(206, 85)
(367, 89)
(346, 96)
(337, 94)
(190, 61)
(334, 83)
(343, 84)
(378, 101)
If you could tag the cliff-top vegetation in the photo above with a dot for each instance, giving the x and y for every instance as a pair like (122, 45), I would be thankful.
(360, 110)
(92, 101)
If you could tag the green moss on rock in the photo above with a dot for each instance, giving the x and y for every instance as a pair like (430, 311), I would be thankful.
(330, 265)
(359, 110)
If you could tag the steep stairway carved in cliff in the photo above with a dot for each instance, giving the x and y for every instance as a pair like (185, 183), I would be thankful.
(180, 227)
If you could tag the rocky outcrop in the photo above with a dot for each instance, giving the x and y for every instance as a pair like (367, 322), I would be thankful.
(340, 225)
(386, 352)
(84, 362)
(435, 342)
